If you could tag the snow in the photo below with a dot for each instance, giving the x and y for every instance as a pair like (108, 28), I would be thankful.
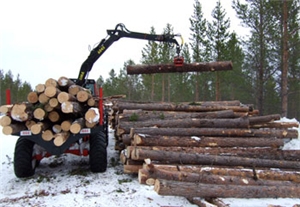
(66, 181)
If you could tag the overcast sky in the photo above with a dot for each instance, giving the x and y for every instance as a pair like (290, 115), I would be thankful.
(49, 39)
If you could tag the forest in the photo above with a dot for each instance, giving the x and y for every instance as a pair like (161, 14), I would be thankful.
(266, 63)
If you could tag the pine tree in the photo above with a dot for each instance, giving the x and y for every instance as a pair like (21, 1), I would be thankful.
(218, 35)
(200, 50)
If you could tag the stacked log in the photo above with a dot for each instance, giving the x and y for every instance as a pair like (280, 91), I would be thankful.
(53, 110)
(207, 149)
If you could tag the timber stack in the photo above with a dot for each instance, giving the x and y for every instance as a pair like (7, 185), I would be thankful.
(56, 109)
(207, 149)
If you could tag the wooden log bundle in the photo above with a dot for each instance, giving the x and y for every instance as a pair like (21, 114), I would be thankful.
(51, 111)
(222, 146)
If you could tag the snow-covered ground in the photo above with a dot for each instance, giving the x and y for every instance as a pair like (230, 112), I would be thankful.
(67, 181)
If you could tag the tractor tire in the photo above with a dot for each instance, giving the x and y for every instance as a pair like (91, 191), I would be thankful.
(24, 164)
(98, 153)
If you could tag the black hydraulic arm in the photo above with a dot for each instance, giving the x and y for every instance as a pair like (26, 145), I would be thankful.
(114, 35)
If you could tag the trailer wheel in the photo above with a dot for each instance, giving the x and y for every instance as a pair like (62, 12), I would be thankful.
(24, 164)
(98, 153)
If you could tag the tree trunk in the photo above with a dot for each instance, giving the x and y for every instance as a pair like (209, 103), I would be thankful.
(193, 141)
(175, 188)
(203, 159)
(212, 132)
(32, 97)
(51, 91)
(64, 96)
(171, 68)
(13, 128)
(21, 112)
(60, 138)
(71, 107)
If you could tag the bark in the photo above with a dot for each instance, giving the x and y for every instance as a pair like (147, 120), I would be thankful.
(187, 67)
(212, 132)
(263, 119)
(203, 159)
(178, 107)
(153, 173)
(194, 141)
(175, 188)
(266, 174)
(165, 115)
(188, 123)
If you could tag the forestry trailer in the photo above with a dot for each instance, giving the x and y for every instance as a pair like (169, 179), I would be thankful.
(31, 148)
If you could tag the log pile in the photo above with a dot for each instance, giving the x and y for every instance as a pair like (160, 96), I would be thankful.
(207, 149)
(56, 109)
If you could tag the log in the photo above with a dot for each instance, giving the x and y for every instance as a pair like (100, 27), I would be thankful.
(155, 106)
(4, 109)
(54, 116)
(153, 173)
(212, 132)
(264, 119)
(51, 91)
(176, 188)
(71, 107)
(40, 88)
(92, 115)
(48, 108)
(43, 99)
(65, 82)
(21, 112)
(56, 128)
(53, 102)
(5, 121)
(188, 123)
(47, 135)
(60, 138)
(266, 174)
(90, 125)
(64, 96)
(14, 128)
(203, 159)
(74, 89)
(92, 102)
(32, 97)
(29, 124)
(165, 115)
(132, 169)
(66, 124)
(51, 82)
(39, 127)
(39, 114)
(77, 125)
(186, 141)
(187, 67)
(255, 152)
(83, 96)
(278, 125)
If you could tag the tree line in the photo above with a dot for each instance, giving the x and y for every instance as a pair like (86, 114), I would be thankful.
(266, 64)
